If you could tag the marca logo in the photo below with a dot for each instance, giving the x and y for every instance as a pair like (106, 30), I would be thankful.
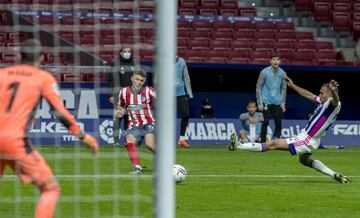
(210, 131)
(347, 129)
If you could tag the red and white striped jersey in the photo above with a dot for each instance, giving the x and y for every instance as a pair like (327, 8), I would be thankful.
(139, 106)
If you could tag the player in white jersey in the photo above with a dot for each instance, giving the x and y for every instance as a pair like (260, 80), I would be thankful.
(309, 139)
(137, 100)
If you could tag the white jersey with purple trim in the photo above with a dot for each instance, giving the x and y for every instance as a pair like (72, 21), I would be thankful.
(323, 118)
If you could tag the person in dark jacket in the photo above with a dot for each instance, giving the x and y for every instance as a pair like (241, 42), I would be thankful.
(119, 78)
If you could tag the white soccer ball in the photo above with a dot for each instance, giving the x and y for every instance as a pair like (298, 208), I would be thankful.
(179, 173)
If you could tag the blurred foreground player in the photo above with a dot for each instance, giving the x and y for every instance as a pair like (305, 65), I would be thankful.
(21, 88)
(309, 139)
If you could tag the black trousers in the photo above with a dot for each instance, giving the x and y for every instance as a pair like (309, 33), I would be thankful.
(183, 108)
(272, 111)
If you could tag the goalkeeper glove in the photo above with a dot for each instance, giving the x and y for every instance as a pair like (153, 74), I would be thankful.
(91, 142)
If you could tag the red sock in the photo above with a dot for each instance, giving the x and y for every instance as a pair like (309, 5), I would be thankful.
(133, 153)
(47, 202)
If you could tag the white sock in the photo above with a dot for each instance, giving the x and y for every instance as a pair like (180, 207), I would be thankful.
(316, 164)
(181, 138)
(252, 146)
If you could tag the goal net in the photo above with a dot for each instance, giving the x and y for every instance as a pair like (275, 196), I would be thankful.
(81, 42)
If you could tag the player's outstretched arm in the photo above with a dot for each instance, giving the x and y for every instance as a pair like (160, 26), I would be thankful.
(333, 85)
(303, 92)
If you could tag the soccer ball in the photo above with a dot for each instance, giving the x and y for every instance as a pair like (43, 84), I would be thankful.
(179, 173)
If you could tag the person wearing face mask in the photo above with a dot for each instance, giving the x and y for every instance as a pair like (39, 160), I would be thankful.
(120, 77)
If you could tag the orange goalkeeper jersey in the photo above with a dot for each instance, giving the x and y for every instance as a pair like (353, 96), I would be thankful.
(21, 89)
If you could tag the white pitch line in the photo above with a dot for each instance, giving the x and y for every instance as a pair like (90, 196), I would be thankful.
(193, 176)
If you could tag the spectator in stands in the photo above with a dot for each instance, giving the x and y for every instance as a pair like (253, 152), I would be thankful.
(119, 78)
(251, 123)
(207, 110)
(271, 95)
(183, 95)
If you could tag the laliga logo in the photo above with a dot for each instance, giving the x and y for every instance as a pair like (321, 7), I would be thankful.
(106, 131)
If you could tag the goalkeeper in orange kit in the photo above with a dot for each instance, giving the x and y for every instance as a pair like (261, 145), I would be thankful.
(21, 88)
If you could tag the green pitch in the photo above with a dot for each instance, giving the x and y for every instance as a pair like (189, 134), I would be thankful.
(220, 183)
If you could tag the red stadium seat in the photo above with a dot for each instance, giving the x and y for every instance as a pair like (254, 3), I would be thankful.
(322, 11)
(264, 26)
(242, 56)
(285, 36)
(303, 5)
(187, 11)
(88, 21)
(241, 44)
(200, 34)
(182, 43)
(147, 55)
(222, 35)
(188, 4)
(286, 54)
(249, 12)
(201, 25)
(231, 4)
(46, 20)
(222, 25)
(356, 6)
(302, 62)
(107, 56)
(108, 33)
(342, 7)
(183, 34)
(67, 35)
(243, 35)
(326, 57)
(284, 26)
(220, 44)
(243, 25)
(356, 16)
(356, 30)
(209, 3)
(283, 45)
(324, 46)
(67, 20)
(341, 21)
(305, 45)
(208, 11)
(228, 12)
(183, 24)
(218, 56)
(308, 55)
(261, 45)
(304, 36)
(71, 77)
(261, 54)
(195, 55)
(107, 41)
(86, 34)
(8, 58)
(268, 35)
(199, 44)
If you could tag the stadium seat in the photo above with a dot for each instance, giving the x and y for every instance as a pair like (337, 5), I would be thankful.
(222, 35)
(107, 33)
(198, 44)
(218, 56)
(46, 20)
(209, 3)
(107, 56)
(8, 58)
(286, 54)
(67, 20)
(283, 45)
(243, 25)
(239, 56)
(304, 36)
(324, 46)
(182, 33)
(86, 34)
(356, 30)
(342, 7)
(284, 26)
(264, 26)
(308, 55)
(303, 5)
(200, 34)
(356, 6)
(93, 77)
(201, 25)
(322, 11)
(146, 10)
(261, 54)
(220, 44)
(184, 24)
(222, 25)
(356, 16)
(261, 45)
(182, 43)
(249, 12)
(228, 12)
(187, 11)
(107, 41)
(243, 35)
(67, 35)
(195, 55)
(208, 11)
(71, 77)
(341, 21)
(88, 21)
(326, 57)
(268, 35)
(285, 36)
(241, 45)
(189, 3)
(305, 45)
(230, 4)
(147, 55)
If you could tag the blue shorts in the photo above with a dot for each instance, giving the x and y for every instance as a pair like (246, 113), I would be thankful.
(139, 132)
